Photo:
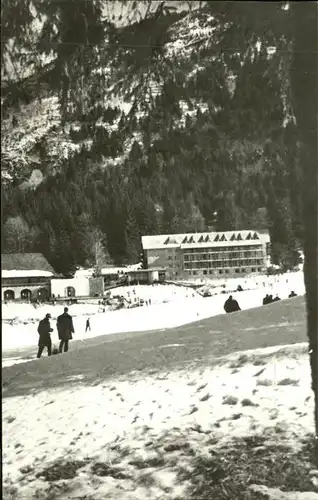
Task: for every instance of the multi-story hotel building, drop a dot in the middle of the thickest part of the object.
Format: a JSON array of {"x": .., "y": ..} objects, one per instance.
[{"x": 217, "y": 254}]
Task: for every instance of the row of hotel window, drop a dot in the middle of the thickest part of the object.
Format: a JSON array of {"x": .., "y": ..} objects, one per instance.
[
  {"x": 221, "y": 249},
  {"x": 226, "y": 271},
  {"x": 224, "y": 263},
  {"x": 223, "y": 255}
]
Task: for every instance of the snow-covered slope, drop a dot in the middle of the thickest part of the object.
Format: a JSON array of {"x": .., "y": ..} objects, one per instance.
[
  {"x": 131, "y": 437},
  {"x": 164, "y": 307}
]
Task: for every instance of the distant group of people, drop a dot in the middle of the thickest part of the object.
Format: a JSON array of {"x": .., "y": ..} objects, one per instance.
[
  {"x": 65, "y": 331},
  {"x": 231, "y": 305},
  {"x": 268, "y": 299}
]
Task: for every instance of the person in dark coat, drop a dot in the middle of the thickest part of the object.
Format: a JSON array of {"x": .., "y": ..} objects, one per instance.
[
  {"x": 231, "y": 305},
  {"x": 292, "y": 294},
  {"x": 267, "y": 300},
  {"x": 44, "y": 331},
  {"x": 276, "y": 299},
  {"x": 88, "y": 325},
  {"x": 65, "y": 329}
]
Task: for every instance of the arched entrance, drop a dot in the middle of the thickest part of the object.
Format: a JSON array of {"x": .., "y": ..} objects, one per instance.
[
  {"x": 26, "y": 294},
  {"x": 43, "y": 294},
  {"x": 70, "y": 291},
  {"x": 9, "y": 295}
]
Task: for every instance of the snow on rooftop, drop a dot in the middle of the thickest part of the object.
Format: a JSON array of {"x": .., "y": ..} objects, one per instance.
[
  {"x": 230, "y": 238},
  {"x": 80, "y": 273},
  {"x": 113, "y": 270},
  {"x": 17, "y": 273}
]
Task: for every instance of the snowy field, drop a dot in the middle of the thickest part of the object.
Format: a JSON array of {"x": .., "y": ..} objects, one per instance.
[
  {"x": 161, "y": 435},
  {"x": 281, "y": 284},
  {"x": 170, "y": 306},
  {"x": 235, "y": 427}
]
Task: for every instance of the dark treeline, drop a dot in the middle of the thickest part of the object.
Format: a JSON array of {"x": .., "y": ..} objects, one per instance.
[{"x": 177, "y": 187}]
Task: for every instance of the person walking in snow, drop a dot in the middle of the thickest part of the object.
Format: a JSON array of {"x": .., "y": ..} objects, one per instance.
[
  {"x": 65, "y": 329},
  {"x": 231, "y": 305},
  {"x": 88, "y": 325},
  {"x": 44, "y": 331}
]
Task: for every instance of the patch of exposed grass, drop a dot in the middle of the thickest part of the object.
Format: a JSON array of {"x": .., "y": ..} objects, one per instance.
[
  {"x": 26, "y": 470},
  {"x": 10, "y": 419},
  {"x": 248, "y": 402},
  {"x": 205, "y": 397},
  {"x": 150, "y": 462},
  {"x": 10, "y": 492},
  {"x": 176, "y": 446},
  {"x": 192, "y": 383},
  {"x": 103, "y": 469},
  {"x": 230, "y": 400},
  {"x": 259, "y": 372},
  {"x": 264, "y": 382},
  {"x": 231, "y": 469},
  {"x": 239, "y": 362},
  {"x": 146, "y": 479},
  {"x": 197, "y": 428},
  {"x": 54, "y": 492},
  {"x": 203, "y": 386},
  {"x": 236, "y": 416},
  {"x": 259, "y": 362},
  {"x": 288, "y": 381},
  {"x": 193, "y": 410},
  {"x": 61, "y": 470}
]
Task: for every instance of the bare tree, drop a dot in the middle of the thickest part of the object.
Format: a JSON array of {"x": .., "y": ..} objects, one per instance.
[
  {"x": 16, "y": 235},
  {"x": 99, "y": 250}
]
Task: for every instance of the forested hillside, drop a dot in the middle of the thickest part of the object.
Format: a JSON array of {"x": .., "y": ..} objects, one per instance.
[{"x": 170, "y": 121}]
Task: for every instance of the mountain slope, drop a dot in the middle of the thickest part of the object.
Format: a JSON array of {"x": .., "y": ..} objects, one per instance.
[{"x": 148, "y": 124}]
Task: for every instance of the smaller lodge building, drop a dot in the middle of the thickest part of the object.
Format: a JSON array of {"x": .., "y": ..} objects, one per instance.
[
  {"x": 124, "y": 276},
  {"x": 25, "y": 276},
  {"x": 28, "y": 277}
]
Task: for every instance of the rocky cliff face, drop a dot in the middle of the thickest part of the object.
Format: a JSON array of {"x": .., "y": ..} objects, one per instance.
[{"x": 132, "y": 98}]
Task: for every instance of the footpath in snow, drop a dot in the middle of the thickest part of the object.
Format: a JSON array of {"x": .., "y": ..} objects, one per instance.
[{"x": 237, "y": 429}]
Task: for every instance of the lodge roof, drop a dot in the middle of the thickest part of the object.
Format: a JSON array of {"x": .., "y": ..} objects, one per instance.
[{"x": 25, "y": 262}]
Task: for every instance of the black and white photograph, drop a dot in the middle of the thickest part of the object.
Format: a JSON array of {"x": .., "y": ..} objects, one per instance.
[{"x": 159, "y": 250}]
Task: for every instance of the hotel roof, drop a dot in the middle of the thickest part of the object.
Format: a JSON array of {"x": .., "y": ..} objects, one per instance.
[{"x": 214, "y": 239}]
